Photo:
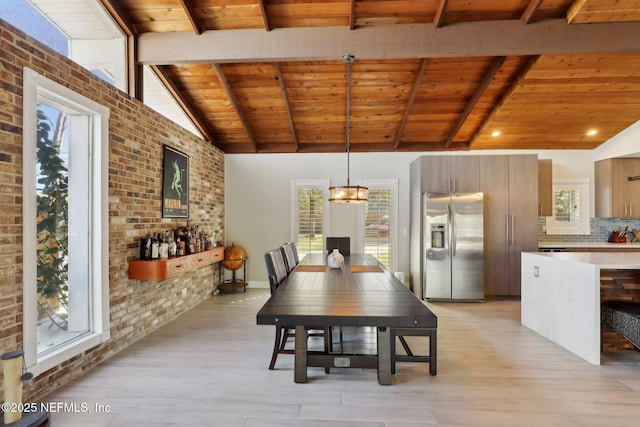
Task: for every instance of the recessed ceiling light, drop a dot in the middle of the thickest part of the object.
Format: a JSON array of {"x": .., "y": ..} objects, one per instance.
[
  {"x": 495, "y": 133},
  {"x": 592, "y": 132}
]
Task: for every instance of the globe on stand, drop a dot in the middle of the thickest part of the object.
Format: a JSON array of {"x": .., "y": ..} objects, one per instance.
[{"x": 235, "y": 258}]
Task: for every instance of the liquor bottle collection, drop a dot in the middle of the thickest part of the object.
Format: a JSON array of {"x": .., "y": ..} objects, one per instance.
[{"x": 184, "y": 240}]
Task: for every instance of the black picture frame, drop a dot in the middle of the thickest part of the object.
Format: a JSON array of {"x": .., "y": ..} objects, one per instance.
[{"x": 175, "y": 183}]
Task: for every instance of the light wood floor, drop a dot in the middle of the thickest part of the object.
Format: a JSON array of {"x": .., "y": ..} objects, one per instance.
[{"x": 209, "y": 368}]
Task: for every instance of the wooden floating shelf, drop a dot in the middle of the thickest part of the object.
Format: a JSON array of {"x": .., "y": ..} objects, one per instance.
[{"x": 161, "y": 269}]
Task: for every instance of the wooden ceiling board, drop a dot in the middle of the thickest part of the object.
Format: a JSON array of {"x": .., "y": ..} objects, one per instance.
[
  {"x": 227, "y": 15},
  {"x": 312, "y": 13},
  {"x": 386, "y": 12},
  {"x": 209, "y": 101},
  {"x": 486, "y": 10},
  {"x": 551, "y": 9},
  {"x": 569, "y": 110},
  {"x": 291, "y": 102},
  {"x": 590, "y": 11}
]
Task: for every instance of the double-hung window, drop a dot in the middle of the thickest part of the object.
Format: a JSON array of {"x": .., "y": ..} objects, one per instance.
[
  {"x": 378, "y": 222},
  {"x": 310, "y": 215},
  {"x": 65, "y": 223}
]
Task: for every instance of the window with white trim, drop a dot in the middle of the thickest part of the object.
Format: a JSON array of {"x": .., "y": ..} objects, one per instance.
[
  {"x": 310, "y": 215},
  {"x": 65, "y": 223},
  {"x": 379, "y": 222},
  {"x": 570, "y": 207}
]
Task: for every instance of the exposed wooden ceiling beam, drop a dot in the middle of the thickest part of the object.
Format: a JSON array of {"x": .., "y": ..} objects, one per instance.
[
  {"x": 409, "y": 106},
  {"x": 265, "y": 18},
  {"x": 530, "y": 11},
  {"x": 236, "y": 105},
  {"x": 495, "y": 66},
  {"x": 287, "y": 107},
  {"x": 135, "y": 80},
  {"x": 188, "y": 9},
  {"x": 467, "y": 39},
  {"x": 437, "y": 20},
  {"x": 117, "y": 13},
  {"x": 505, "y": 97},
  {"x": 177, "y": 95},
  {"x": 574, "y": 9}
]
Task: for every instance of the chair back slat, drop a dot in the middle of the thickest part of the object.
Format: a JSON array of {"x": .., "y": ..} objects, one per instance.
[{"x": 290, "y": 257}]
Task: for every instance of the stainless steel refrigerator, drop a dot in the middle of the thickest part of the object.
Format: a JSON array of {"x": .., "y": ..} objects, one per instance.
[{"x": 453, "y": 264}]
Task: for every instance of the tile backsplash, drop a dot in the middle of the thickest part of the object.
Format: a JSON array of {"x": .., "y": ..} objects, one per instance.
[{"x": 601, "y": 228}]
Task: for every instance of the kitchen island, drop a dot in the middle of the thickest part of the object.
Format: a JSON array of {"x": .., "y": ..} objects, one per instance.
[{"x": 561, "y": 296}]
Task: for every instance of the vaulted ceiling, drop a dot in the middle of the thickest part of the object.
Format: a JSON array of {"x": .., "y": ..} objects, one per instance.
[{"x": 429, "y": 75}]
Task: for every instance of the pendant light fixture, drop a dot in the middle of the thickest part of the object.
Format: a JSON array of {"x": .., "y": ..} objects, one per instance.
[{"x": 348, "y": 193}]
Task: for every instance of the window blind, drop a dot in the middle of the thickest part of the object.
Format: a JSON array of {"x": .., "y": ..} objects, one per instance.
[
  {"x": 310, "y": 219},
  {"x": 377, "y": 224}
]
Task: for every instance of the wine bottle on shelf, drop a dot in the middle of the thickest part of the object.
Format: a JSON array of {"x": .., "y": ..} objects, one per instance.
[
  {"x": 145, "y": 247},
  {"x": 155, "y": 247},
  {"x": 172, "y": 245}
]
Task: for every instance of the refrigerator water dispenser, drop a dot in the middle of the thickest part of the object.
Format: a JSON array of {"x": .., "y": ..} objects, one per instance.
[{"x": 437, "y": 236}]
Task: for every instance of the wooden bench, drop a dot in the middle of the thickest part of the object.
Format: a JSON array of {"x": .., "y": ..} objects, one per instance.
[
  {"x": 431, "y": 359},
  {"x": 624, "y": 318}
]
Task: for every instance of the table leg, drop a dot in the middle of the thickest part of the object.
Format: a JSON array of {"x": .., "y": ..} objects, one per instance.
[
  {"x": 384, "y": 356},
  {"x": 433, "y": 352},
  {"x": 300, "y": 369}
]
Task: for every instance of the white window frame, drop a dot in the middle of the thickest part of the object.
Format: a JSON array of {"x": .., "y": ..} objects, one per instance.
[
  {"x": 583, "y": 226},
  {"x": 391, "y": 184},
  {"x": 320, "y": 184},
  {"x": 98, "y": 258}
]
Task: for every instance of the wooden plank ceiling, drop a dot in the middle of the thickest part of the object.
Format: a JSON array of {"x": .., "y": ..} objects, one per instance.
[{"x": 520, "y": 84}]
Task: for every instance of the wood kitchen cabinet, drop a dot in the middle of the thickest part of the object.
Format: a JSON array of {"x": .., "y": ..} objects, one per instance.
[
  {"x": 510, "y": 192},
  {"x": 616, "y": 196},
  {"x": 510, "y": 187},
  {"x": 545, "y": 188},
  {"x": 445, "y": 174}
]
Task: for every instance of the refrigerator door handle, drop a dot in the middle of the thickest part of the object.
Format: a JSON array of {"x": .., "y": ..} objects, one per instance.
[
  {"x": 454, "y": 232},
  {"x": 449, "y": 231}
]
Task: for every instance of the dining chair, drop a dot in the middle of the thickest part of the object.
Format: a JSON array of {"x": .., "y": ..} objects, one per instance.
[
  {"x": 343, "y": 244},
  {"x": 276, "y": 268},
  {"x": 277, "y": 272},
  {"x": 290, "y": 255}
]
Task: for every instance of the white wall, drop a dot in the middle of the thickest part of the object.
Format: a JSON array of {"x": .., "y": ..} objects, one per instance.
[
  {"x": 258, "y": 187},
  {"x": 258, "y": 198},
  {"x": 624, "y": 144}
]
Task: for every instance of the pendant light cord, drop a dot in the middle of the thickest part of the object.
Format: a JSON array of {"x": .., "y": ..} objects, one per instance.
[{"x": 348, "y": 59}]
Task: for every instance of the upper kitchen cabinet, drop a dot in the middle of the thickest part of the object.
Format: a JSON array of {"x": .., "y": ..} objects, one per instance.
[
  {"x": 617, "y": 195},
  {"x": 545, "y": 188},
  {"x": 450, "y": 174},
  {"x": 510, "y": 218}
]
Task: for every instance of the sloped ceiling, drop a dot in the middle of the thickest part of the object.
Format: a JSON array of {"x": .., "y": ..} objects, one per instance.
[{"x": 429, "y": 75}]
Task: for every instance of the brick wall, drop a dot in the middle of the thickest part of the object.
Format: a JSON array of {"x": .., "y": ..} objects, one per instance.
[{"x": 137, "y": 135}]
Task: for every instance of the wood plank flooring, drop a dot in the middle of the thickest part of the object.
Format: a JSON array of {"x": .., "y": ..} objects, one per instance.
[{"x": 209, "y": 368}]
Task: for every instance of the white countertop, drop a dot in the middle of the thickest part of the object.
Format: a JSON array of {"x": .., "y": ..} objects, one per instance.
[
  {"x": 622, "y": 260},
  {"x": 545, "y": 245}
]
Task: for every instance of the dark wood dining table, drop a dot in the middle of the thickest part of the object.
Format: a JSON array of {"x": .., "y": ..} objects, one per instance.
[{"x": 362, "y": 293}]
